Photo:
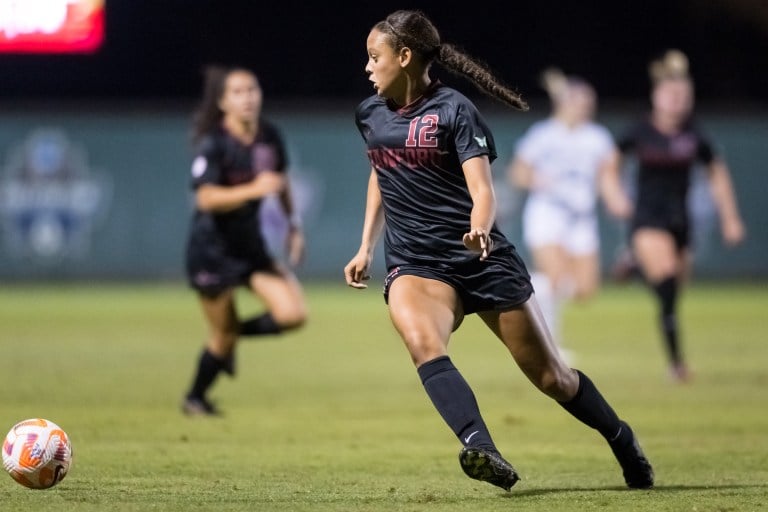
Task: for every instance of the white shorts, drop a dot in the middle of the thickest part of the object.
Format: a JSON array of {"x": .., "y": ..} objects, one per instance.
[{"x": 546, "y": 223}]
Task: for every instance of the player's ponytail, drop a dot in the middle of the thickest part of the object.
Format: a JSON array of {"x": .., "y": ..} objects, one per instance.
[
  {"x": 555, "y": 83},
  {"x": 458, "y": 62},
  {"x": 414, "y": 30}
]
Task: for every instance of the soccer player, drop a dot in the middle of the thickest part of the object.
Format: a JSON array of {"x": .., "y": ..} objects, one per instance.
[
  {"x": 559, "y": 162},
  {"x": 240, "y": 159},
  {"x": 430, "y": 184},
  {"x": 667, "y": 144}
]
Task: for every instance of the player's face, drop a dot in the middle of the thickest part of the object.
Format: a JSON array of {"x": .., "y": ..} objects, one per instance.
[
  {"x": 242, "y": 96},
  {"x": 673, "y": 97},
  {"x": 580, "y": 103},
  {"x": 384, "y": 67}
]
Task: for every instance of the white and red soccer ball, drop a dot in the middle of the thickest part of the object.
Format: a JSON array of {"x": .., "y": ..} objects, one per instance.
[{"x": 37, "y": 453}]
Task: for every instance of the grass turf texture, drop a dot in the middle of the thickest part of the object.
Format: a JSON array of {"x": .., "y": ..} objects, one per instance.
[{"x": 334, "y": 418}]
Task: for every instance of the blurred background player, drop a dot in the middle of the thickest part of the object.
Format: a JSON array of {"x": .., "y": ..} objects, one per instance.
[
  {"x": 240, "y": 159},
  {"x": 430, "y": 184},
  {"x": 559, "y": 162},
  {"x": 667, "y": 145}
]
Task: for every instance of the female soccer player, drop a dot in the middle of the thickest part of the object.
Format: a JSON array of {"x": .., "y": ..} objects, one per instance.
[
  {"x": 240, "y": 160},
  {"x": 667, "y": 144},
  {"x": 559, "y": 161},
  {"x": 430, "y": 184}
]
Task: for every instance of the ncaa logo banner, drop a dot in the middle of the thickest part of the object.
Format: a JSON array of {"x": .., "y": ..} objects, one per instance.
[{"x": 50, "y": 199}]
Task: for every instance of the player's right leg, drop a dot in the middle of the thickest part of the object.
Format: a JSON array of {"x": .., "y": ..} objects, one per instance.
[
  {"x": 425, "y": 312},
  {"x": 220, "y": 314}
]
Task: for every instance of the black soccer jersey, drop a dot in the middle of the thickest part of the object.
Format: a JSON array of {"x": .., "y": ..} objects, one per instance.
[
  {"x": 665, "y": 163},
  {"x": 223, "y": 160},
  {"x": 417, "y": 152}
]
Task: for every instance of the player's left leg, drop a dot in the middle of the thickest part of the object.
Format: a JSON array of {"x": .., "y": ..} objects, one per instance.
[
  {"x": 523, "y": 332},
  {"x": 660, "y": 259}
]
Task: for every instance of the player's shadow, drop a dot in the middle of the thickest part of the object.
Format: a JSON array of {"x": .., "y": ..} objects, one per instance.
[{"x": 664, "y": 489}]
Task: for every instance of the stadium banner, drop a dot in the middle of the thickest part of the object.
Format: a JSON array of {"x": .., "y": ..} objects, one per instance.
[{"x": 51, "y": 26}]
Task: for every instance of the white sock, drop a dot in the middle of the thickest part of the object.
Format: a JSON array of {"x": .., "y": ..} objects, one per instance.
[{"x": 548, "y": 303}]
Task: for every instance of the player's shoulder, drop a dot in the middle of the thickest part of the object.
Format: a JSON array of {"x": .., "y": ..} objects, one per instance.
[
  {"x": 543, "y": 126},
  {"x": 597, "y": 131},
  {"x": 542, "y": 129},
  {"x": 211, "y": 142},
  {"x": 695, "y": 125},
  {"x": 368, "y": 105},
  {"x": 452, "y": 98},
  {"x": 269, "y": 130}
]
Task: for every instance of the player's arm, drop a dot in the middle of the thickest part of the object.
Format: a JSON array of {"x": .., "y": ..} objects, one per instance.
[
  {"x": 477, "y": 172},
  {"x": 210, "y": 197},
  {"x": 295, "y": 244},
  {"x": 520, "y": 174},
  {"x": 609, "y": 182},
  {"x": 357, "y": 270},
  {"x": 724, "y": 197}
]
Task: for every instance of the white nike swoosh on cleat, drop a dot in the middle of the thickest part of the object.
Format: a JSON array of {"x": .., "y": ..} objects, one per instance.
[{"x": 466, "y": 439}]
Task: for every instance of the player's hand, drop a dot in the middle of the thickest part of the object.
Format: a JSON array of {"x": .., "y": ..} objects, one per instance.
[
  {"x": 356, "y": 271},
  {"x": 268, "y": 183},
  {"x": 733, "y": 231},
  {"x": 619, "y": 206},
  {"x": 295, "y": 246},
  {"x": 478, "y": 240}
]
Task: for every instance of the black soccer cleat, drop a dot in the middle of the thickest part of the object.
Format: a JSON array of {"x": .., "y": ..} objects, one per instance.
[
  {"x": 638, "y": 473},
  {"x": 488, "y": 466},
  {"x": 193, "y": 406}
]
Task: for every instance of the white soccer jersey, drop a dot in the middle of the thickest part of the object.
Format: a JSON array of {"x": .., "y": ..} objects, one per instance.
[{"x": 565, "y": 162}]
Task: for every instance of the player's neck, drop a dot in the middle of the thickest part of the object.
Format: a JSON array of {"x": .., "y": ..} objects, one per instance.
[
  {"x": 414, "y": 90},
  {"x": 244, "y": 131},
  {"x": 667, "y": 123}
]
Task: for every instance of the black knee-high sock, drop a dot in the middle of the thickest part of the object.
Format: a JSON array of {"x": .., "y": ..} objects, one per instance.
[
  {"x": 589, "y": 407},
  {"x": 260, "y": 325},
  {"x": 208, "y": 367},
  {"x": 666, "y": 292},
  {"x": 455, "y": 402}
]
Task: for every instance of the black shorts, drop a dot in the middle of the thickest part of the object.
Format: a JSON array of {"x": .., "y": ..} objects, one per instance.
[
  {"x": 679, "y": 230},
  {"x": 211, "y": 269},
  {"x": 499, "y": 283}
]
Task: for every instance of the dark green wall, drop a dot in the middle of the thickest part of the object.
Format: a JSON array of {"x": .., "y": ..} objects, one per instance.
[{"x": 141, "y": 157}]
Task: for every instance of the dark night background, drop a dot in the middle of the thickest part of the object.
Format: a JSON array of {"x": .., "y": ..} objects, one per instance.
[{"x": 156, "y": 49}]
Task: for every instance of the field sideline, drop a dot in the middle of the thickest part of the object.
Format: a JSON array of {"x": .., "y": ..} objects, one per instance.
[{"x": 334, "y": 418}]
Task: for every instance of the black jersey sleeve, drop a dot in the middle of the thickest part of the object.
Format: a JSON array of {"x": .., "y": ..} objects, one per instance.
[
  {"x": 362, "y": 111},
  {"x": 206, "y": 166},
  {"x": 627, "y": 140},
  {"x": 273, "y": 137},
  {"x": 471, "y": 134},
  {"x": 705, "y": 152}
]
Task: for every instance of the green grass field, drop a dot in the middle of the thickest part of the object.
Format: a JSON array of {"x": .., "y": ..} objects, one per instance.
[{"x": 335, "y": 418}]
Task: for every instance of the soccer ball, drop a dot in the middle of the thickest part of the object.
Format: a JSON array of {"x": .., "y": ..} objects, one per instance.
[{"x": 37, "y": 453}]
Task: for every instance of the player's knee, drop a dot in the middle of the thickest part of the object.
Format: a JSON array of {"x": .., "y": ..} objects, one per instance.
[
  {"x": 222, "y": 341},
  {"x": 422, "y": 347},
  {"x": 585, "y": 292},
  {"x": 291, "y": 318},
  {"x": 557, "y": 383}
]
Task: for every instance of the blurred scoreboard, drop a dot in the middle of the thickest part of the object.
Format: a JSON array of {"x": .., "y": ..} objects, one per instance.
[{"x": 51, "y": 26}]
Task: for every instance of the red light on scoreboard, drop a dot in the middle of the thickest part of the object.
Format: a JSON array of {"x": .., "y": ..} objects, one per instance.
[{"x": 51, "y": 26}]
